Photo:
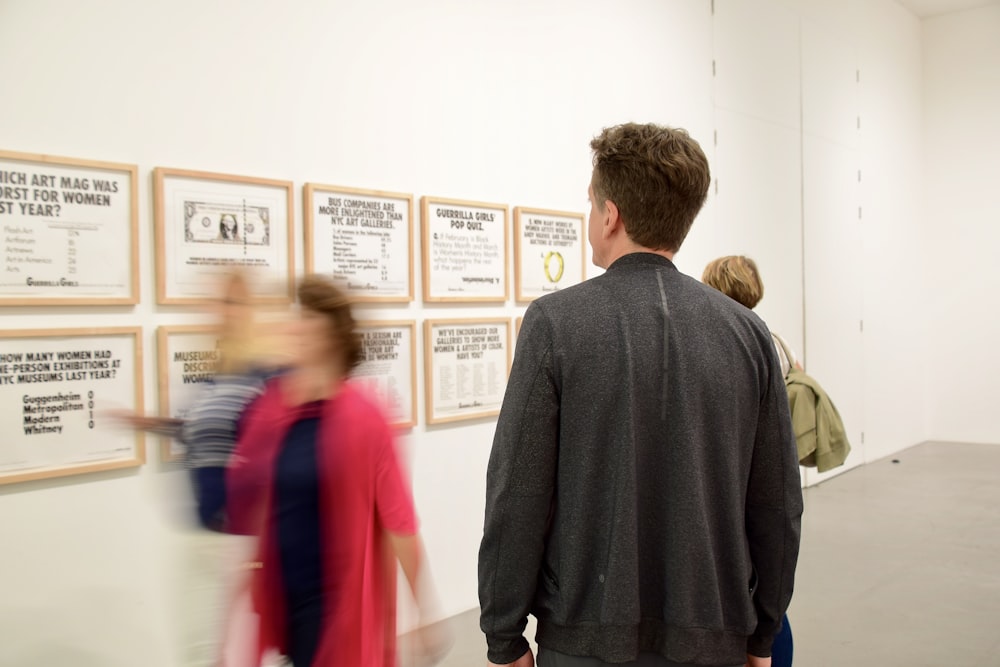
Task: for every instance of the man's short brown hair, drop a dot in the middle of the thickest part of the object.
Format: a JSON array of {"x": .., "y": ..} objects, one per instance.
[
  {"x": 658, "y": 177},
  {"x": 321, "y": 295},
  {"x": 737, "y": 277}
]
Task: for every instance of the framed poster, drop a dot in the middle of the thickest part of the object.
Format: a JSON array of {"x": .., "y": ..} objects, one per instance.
[
  {"x": 186, "y": 358},
  {"x": 58, "y": 386},
  {"x": 363, "y": 239},
  {"x": 466, "y": 366},
  {"x": 70, "y": 231},
  {"x": 464, "y": 250},
  {"x": 389, "y": 367},
  {"x": 550, "y": 252},
  {"x": 207, "y": 223}
]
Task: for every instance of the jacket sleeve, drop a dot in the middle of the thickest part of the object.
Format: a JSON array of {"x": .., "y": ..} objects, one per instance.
[
  {"x": 519, "y": 487},
  {"x": 773, "y": 509},
  {"x": 802, "y": 404}
]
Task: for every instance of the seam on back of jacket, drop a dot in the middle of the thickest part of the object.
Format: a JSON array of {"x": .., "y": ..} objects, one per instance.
[{"x": 666, "y": 344}]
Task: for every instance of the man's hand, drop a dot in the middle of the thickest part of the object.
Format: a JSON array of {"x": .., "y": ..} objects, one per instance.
[
  {"x": 528, "y": 660},
  {"x": 754, "y": 661}
]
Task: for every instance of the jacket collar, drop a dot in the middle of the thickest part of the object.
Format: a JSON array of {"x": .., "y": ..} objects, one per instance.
[{"x": 636, "y": 259}]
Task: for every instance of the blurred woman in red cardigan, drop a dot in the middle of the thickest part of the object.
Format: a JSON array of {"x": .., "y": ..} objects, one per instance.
[{"x": 316, "y": 475}]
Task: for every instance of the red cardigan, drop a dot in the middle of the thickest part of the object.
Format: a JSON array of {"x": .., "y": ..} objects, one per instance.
[{"x": 363, "y": 495}]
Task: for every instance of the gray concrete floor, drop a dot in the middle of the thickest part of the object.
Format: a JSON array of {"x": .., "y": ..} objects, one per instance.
[{"x": 899, "y": 566}]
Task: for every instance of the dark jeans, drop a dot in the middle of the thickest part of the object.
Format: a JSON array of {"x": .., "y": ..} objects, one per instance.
[
  {"x": 781, "y": 651},
  {"x": 552, "y": 659}
]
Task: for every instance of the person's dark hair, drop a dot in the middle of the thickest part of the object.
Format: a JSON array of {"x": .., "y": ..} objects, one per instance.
[
  {"x": 658, "y": 177},
  {"x": 321, "y": 295}
]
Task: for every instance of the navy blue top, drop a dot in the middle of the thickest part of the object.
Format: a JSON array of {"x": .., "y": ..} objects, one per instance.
[{"x": 296, "y": 509}]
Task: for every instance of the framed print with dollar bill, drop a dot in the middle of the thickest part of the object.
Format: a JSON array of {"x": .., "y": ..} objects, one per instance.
[
  {"x": 60, "y": 388},
  {"x": 363, "y": 239},
  {"x": 466, "y": 364},
  {"x": 464, "y": 250},
  {"x": 70, "y": 231},
  {"x": 549, "y": 251},
  {"x": 208, "y": 223}
]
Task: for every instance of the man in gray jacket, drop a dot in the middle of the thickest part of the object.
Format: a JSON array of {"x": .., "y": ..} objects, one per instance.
[{"x": 643, "y": 498}]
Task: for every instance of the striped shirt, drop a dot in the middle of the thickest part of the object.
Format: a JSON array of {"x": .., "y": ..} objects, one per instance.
[{"x": 210, "y": 424}]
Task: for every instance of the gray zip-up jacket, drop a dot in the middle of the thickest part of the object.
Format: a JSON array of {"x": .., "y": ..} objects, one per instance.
[{"x": 643, "y": 490}]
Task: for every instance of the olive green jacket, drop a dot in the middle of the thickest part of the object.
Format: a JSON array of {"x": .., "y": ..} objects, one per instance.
[{"x": 819, "y": 431}]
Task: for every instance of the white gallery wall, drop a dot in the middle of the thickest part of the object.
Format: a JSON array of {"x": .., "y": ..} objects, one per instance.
[
  {"x": 475, "y": 100},
  {"x": 818, "y": 121},
  {"x": 892, "y": 216},
  {"x": 962, "y": 170}
]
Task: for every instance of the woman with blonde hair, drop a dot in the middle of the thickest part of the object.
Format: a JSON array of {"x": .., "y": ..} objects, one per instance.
[
  {"x": 737, "y": 277},
  {"x": 206, "y": 430},
  {"x": 207, "y": 426}
]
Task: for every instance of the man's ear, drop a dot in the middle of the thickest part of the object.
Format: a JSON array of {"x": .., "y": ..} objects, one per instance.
[{"x": 613, "y": 219}]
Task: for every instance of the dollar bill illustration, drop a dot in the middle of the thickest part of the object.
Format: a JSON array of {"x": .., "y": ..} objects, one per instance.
[{"x": 227, "y": 223}]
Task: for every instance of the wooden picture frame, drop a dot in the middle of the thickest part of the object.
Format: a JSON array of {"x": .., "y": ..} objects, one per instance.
[
  {"x": 60, "y": 385},
  {"x": 381, "y": 367},
  {"x": 170, "y": 398},
  {"x": 207, "y": 222},
  {"x": 71, "y": 231},
  {"x": 357, "y": 220},
  {"x": 465, "y": 251},
  {"x": 450, "y": 348},
  {"x": 546, "y": 253}
]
